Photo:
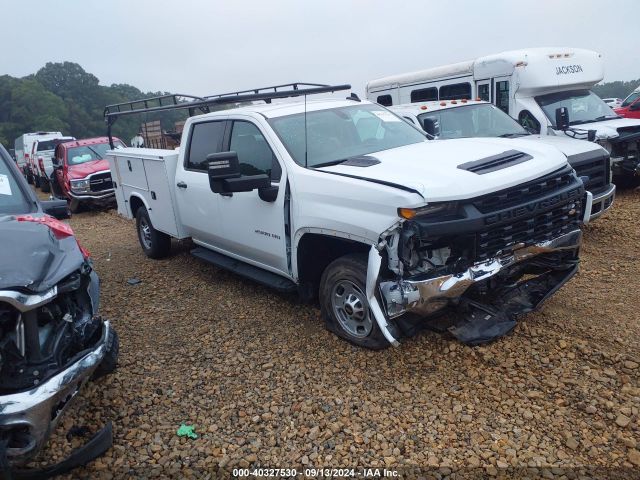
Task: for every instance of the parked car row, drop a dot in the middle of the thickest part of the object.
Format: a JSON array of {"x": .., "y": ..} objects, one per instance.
[{"x": 69, "y": 169}]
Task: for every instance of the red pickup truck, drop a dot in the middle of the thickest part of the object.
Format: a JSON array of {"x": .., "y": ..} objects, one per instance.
[
  {"x": 80, "y": 173},
  {"x": 630, "y": 107}
]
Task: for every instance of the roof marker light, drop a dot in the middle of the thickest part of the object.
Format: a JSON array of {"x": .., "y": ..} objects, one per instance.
[
  {"x": 478, "y": 99},
  {"x": 443, "y": 104},
  {"x": 423, "y": 107},
  {"x": 464, "y": 100},
  {"x": 454, "y": 102}
]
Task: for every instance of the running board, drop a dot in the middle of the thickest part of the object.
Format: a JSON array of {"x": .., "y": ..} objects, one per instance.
[{"x": 243, "y": 269}]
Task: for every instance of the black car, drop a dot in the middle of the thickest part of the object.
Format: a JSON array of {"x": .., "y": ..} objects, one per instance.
[{"x": 51, "y": 338}]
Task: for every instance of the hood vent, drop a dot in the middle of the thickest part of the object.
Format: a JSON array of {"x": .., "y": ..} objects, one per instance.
[
  {"x": 361, "y": 161},
  {"x": 495, "y": 162}
]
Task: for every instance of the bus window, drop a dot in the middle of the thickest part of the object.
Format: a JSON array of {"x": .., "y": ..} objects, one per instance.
[
  {"x": 456, "y": 91},
  {"x": 385, "y": 100},
  {"x": 424, "y": 94},
  {"x": 483, "y": 92}
]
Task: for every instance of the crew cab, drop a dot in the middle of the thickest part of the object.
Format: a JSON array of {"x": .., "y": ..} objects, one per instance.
[
  {"x": 630, "y": 107},
  {"x": 52, "y": 340},
  {"x": 449, "y": 119},
  {"x": 341, "y": 200},
  {"x": 81, "y": 173}
]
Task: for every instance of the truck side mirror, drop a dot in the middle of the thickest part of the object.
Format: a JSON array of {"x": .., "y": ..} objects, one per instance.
[
  {"x": 56, "y": 208},
  {"x": 225, "y": 176},
  {"x": 562, "y": 118},
  {"x": 431, "y": 125}
]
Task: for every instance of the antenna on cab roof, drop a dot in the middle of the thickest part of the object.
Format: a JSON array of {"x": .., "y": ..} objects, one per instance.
[{"x": 203, "y": 104}]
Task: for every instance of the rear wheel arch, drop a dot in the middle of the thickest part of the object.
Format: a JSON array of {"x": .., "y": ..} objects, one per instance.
[{"x": 135, "y": 202}]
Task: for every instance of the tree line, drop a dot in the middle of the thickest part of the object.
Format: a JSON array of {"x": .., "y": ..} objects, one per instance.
[{"x": 64, "y": 97}]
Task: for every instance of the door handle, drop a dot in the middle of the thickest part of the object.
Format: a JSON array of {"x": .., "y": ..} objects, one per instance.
[{"x": 181, "y": 185}]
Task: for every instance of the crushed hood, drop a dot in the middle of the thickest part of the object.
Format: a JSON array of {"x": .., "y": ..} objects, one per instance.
[
  {"x": 77, "y": 172},
  {"x": 431, "y": 168},
  {"x": 34, "y": 256}
]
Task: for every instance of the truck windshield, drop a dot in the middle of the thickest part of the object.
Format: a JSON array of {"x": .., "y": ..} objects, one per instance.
[
  {"x": 337, "y": 134},
  {"x": 480, "y": 120},
  {"x": 89, "y": 153},
  {"x": 630, "y": 99},
  {"x": 584, "y": 106},
  {"x": 12, "y": 198}
]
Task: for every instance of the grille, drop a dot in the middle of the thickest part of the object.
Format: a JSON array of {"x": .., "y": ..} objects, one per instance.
[
  {"x": 538, "y": 228},
  {"x": 598, "y": 172},
  {"x": 101, "y": 181},
  {"x": 525, "y": 192}
]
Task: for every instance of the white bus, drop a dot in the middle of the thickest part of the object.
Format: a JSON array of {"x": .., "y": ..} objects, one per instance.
[{"x": 546, "y": 89}]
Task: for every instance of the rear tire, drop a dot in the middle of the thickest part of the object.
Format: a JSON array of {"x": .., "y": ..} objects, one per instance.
[
  {"x": 344, "y": 305},
  {"x": 45, "y": 186},
  {"x": 154, "y": 243},
  {"x": 109, "y": 362}
]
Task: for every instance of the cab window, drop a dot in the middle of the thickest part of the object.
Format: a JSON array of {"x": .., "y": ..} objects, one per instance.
[
  {"x": 206, "y": 138},
  {"x": 254, "y": 153}
]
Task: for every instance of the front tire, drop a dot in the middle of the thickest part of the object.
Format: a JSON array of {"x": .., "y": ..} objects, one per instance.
[
  {"x": 75, "y": 205},
  {"x": 344, "y": 304},
  {"x": 154, "y": 243}
]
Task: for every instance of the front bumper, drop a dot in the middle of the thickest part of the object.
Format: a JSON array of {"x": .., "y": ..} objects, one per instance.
[
  {"x": 426, "y": 296},
  {"x": 98, "y": 196},
  {"x": 602, "y": 201},
  {"x": 34, "y": 413}
]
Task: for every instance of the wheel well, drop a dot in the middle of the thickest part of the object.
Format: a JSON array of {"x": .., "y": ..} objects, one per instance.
[
  {"x": 135, "y": 203},
  {"x": 315, "y": 252}
]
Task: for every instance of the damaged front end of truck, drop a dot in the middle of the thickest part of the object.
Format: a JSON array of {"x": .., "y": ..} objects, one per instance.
[
  {"x": 490, "y": 259},
  {"x": 51, "y": 339}
]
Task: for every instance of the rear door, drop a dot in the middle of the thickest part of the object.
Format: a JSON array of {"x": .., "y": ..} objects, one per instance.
[
  {"x": 254, "y": 226},
  {"x": 198, "y": 206}
]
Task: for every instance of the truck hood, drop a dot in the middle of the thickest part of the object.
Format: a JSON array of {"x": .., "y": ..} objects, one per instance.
[
  {"x": 34, "y": 256},
  {"x": 84, "y": 169},
  {"x": 609, "y": 129},
  {"x": 567, "y": 145},
  {"x": 431, "y": 168}
]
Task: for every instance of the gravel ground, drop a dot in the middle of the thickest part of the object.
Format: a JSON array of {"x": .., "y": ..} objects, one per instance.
[{"x": 266, "y": 385}]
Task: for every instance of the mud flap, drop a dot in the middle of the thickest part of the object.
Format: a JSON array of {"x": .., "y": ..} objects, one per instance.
[
  {"x": 477, "y": 322},
  {"x": 98, "y": 445}
]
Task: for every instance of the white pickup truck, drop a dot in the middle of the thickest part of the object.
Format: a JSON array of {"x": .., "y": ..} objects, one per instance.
[
  {"x": 343, "y": 200},
  {"x": 453, "y": 119}
]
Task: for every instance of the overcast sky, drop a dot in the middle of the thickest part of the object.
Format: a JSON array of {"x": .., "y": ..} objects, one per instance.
[{"x": 203, "y": 47}]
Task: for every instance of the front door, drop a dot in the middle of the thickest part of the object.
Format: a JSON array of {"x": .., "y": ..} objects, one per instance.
[
  {"x": 483, "y": 89},
  {"x": 198, "y": 206},
  {"x": 255, "y": 227},
  {"x": 502, "y": 93}
]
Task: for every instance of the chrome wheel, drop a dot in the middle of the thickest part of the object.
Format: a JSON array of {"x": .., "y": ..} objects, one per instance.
[
  {"x": 351, "y": 309},
  {"x": 145, "y": 233}
]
